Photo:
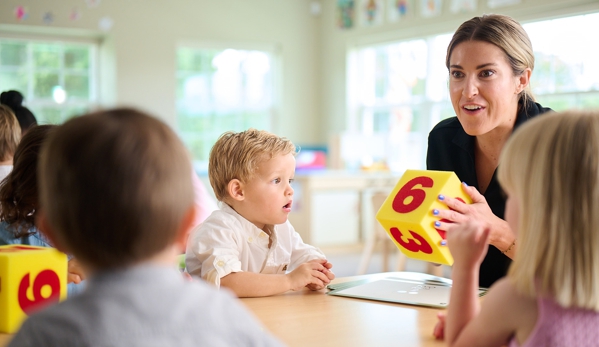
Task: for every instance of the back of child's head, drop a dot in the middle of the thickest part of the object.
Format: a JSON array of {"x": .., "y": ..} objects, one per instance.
[
  {"x": 19, "y": 190},
  {"x": 115, "y": 187},
  {"x": 10, "y": 133},
  {"x": 550, "y": 166},
  {"x": 237, "y": 156},
  {"x": 14, "y": 100}
]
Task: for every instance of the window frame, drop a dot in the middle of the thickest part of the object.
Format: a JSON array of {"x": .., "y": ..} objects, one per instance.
[
  {"x": 356, "y": 110},
  {"x": 31, "y": 35},
  {"x": 274, "y": 53}
]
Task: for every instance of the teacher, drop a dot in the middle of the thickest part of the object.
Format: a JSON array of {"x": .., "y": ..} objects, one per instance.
[{"x": 490, "y": 62}]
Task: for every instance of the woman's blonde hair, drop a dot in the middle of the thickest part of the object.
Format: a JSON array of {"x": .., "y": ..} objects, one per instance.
[
  {"x": 10, "y": 133},
  {"x": 551, "y": 167},
  {"x": 503, "y": 32},
  {"x": 237, "y": 155}
]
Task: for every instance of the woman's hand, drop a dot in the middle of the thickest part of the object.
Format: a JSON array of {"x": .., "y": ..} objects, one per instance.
[{"x": 500, "y": 236}]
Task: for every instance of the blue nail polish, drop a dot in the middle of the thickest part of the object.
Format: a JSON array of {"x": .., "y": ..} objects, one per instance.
[
  {"x": 441, "y": 197},
  {"x": 443, "y": 242},
  {"x": 435, "y": 212},
  {"x": 437, "y": 224},
  {"x": 464, "y": 183}
]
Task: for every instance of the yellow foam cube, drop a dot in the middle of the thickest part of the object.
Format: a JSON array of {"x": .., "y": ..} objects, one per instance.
[
  {"x": 407, "y": 215},
  {"x": 30, "y": 278}
]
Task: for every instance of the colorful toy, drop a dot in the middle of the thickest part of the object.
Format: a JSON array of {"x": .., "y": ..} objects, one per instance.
[
  {"x": 30, "y": 278},
  {"x": 407, "y": 216}
]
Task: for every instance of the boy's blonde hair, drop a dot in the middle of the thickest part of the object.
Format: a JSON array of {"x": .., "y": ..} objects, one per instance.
[
  {"x": 115, "y": 186},
  {"x": 10, "y": 133},
  {"x": 237, "y": 155},
  {"x": 551, "y": 166}
]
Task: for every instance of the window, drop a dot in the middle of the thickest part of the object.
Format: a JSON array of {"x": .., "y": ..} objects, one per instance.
[
  {"x": 221, "y": 90},
  {"x": 398, "y": 91},
  {"x": 56, "y": 78},
  {"x": 566, "y": 73}
]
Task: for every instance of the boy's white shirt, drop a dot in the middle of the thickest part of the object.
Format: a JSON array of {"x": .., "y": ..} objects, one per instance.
[{"x": 226, "y": 242}]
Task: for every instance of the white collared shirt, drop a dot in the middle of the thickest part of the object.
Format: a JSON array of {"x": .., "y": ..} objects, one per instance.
[{"x": 226, "y": 242}]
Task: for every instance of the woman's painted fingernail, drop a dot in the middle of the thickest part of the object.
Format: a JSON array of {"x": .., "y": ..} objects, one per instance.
[
  {"x": 435, "y": 212},
  {"x": 443, "y": 242},
  {"x": 464, "y": 183},
  {"x": 437, "y": 223},
  {"x": 441, "y": 197}
]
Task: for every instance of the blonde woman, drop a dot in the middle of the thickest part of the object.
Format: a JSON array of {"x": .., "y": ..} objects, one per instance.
[{"x": 490, "y": 62}]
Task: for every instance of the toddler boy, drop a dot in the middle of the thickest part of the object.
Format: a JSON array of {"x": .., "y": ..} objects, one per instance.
[{"x": 249, "y": 245}]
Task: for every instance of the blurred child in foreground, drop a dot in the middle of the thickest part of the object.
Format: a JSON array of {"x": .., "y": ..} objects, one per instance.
[{"x": 117, "y": 194}]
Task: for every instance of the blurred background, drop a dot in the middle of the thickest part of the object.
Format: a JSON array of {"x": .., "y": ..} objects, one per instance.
[{"x": 356, "y": 84}]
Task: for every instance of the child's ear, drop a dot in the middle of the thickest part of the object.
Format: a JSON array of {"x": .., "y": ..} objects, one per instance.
[
  {"x": 235, "y": 190},
  {"x": 187, "y": 225},
  {"x": 41, "y": 222}
]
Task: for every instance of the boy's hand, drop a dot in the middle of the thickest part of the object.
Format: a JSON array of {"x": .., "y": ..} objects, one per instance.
[
  {"x": 187, "y": 276},
  {"x": 310, "y": 274},
  {"x": 330, "y": 275},
  {"x": 75, "y": 272},
  {"x": 439, "y": 330}
]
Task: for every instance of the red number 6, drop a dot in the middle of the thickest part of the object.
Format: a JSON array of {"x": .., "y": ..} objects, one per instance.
[
  {"x": 418, "y": 195},
  {"x": 46, "y": 277}
]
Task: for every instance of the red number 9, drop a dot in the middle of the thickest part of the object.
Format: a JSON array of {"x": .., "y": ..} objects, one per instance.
[
  {"x": 418, "y": 195},
  {"x": 46, "y": 277}
]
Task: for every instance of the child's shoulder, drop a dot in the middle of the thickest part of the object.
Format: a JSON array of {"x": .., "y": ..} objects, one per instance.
[
  {"x": 223, "y": 215},
  {"x": 221, "y": 220}
]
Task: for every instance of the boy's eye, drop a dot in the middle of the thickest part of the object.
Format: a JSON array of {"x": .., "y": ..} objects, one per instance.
[
  {"x": 291, "y": 180},
  {"x": 277, "y": 180}
]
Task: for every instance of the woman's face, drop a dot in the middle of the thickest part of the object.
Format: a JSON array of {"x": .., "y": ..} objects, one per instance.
[{"x": 483, "y": 88}]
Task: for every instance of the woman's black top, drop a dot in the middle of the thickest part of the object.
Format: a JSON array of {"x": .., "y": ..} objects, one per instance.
[{"x": 451, "y": 149}]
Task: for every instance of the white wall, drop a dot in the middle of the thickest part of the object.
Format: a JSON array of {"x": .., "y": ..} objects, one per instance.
[{"x": 138, "y": 53}]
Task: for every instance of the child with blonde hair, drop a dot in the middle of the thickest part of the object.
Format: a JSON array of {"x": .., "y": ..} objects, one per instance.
[
  {"x": 115, "y": 191},
  {"x": 550, "y": 297},
  {"x": 248, "y": 245},
  {"x": 10, "y": 135}
]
